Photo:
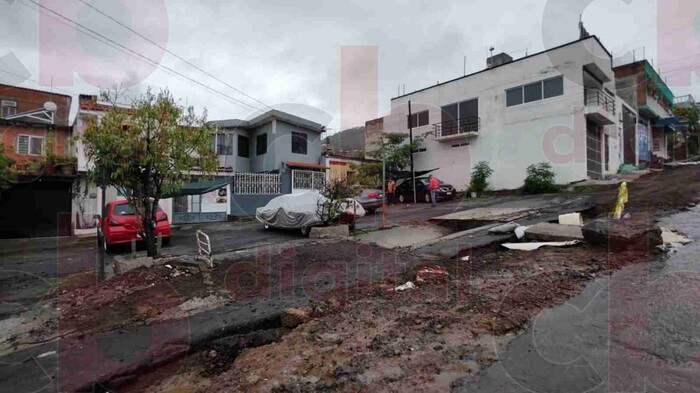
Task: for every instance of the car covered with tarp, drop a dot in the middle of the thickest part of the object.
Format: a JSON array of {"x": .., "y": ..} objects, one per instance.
[{"x": 301, "y": 211}]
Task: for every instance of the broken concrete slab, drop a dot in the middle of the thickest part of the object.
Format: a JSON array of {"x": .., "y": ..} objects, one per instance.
[
  {"x": 124, "y": 264},
  {"x": 336, "y": 232},
  {"x": 487, "y": 215},
  {"x": 405, "y": 236},
  {"x": 633, "y": 233},
  {"x": 548, "y": 232}
]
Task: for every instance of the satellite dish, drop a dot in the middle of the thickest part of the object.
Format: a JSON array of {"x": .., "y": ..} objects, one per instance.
[{"x": 50, "y": 106}]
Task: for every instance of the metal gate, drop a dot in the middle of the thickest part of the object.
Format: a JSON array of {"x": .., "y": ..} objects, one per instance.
[{"x": 307, "y": 180}]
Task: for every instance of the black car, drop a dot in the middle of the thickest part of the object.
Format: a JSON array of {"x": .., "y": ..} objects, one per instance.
[{"x": 404, "y": 191}]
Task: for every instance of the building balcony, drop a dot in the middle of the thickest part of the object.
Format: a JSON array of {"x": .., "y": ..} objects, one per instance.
[
  {"x": 684, "y": 101},
  {"x": 462, "y": 129},
  {"x": 600, "y": 107}
]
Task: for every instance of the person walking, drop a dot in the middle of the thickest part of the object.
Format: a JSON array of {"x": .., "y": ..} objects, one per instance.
[
  {"x": 433, "y": 186},
  {"x": 391, "y": 192}
]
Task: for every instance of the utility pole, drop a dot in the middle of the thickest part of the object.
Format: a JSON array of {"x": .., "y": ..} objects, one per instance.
[
  {"x": 101, "y": 240},
  {"x": 410, "y": 140},
  {"x": 383, "y": 183}
]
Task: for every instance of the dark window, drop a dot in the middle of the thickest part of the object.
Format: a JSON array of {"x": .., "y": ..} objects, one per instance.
[
  {"x": 243, "y": 146},
  {"x": 533, "y": 92},
  {"x": 423, "y": 118},
  {"x": 224, "y": 144},
  {"x": 468, "y": 110},
  {"x": 553, "y": 87},
  {"x": 261, "y": 144},
  {"x": 9, "y": 108},
  {"x": 419, "y": 119},
  {"x": 299, "y": 143},
  {"x": 514, "y": 96}
]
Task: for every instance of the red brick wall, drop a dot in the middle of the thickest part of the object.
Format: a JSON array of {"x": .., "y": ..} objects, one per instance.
[
  {"x": 10, "y": 133},
  {"x": 29, "y": 100}
]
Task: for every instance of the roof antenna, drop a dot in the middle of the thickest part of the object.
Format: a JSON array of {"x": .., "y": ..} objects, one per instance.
[{"x": 491, "y": 49}]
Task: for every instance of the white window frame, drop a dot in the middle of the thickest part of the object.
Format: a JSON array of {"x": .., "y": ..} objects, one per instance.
[
  {"x": 30, "y": 138},
  {"x": 7, "y": 104}
]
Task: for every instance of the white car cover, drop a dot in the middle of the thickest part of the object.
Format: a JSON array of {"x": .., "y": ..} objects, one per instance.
[{"x": 299, "y": 210}]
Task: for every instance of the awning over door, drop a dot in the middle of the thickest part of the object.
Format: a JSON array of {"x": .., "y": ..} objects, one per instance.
[{"x": 199, "y": 187}]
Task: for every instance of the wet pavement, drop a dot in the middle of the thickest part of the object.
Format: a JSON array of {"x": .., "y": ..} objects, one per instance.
[{"x": 635, "y": 331}]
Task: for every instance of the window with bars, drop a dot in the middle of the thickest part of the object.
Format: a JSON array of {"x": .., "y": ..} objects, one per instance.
[{"x": 29, "y": 145}]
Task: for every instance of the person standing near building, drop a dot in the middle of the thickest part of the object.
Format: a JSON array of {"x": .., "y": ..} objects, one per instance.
[
  {"x": 433, "y": 186},
  {"x": 391, "y": 192}
]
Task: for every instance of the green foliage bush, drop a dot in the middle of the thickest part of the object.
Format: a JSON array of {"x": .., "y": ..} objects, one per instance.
[
  {"x": 479, "y": 180},
  {"x": 540, "y": 179}
]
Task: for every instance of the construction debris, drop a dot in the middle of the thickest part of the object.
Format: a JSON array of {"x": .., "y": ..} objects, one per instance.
[
  {"x": 637, "y": 232},
  {"x": 505, "y": 228},
  {"x": 672, "y": 240},
  {"x": 520, "y": 231},
  {"x": 408, "y": 285},
  {"x": 535, "y": 246},
  {"x": 547, "y": 232},
  {"x": 571, "y": 219}
]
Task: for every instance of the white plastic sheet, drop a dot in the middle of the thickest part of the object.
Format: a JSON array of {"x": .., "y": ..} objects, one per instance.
[{"x": 535, "y": 246}]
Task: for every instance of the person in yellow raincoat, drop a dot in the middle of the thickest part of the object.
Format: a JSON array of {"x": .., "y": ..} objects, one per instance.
[{"x": 622, "y": 198}]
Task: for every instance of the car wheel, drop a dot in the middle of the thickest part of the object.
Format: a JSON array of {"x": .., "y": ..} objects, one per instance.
[
  {"x": 402, "y": 199},
  {"x": 304, "y": 231},
  {"x": 426, "y": 198},
  {"x": 108, "y": 249}
]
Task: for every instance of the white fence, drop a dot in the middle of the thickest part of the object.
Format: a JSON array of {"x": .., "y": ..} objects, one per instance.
[
  {"x": 257, "y": 184},
  {"x": 307, "y": 180}
]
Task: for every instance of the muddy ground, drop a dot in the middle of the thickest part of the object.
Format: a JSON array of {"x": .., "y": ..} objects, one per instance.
[
  {"x": 362, "y": 331},
  {"x": 450, "y": 326}
]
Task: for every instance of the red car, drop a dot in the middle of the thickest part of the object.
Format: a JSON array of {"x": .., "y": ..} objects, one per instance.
[{"x": 123, "y": 227}]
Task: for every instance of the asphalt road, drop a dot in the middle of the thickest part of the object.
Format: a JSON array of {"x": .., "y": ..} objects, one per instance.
[
  {"x": 29, "y": 268},
  {"x": 635, "y": 331}
]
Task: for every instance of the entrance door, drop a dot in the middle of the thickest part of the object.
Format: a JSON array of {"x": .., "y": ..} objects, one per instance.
[{"x": 594, "y": 151}]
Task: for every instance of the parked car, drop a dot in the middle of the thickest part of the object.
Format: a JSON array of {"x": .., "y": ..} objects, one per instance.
[
  {"x": 300, "y": 211},
  {"x": 123, "y": 225},
  {"x": 404, "y": 191},
  {"x": 370, "y": 200}
]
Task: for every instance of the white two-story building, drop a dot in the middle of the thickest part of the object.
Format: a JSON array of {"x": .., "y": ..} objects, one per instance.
[{"x": 557, "y": 106}]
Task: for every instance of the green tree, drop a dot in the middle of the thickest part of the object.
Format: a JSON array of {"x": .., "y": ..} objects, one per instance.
[
  {"x": 368, "y": 175},
  {"x": 540, "y": 179},
  {"x": 6, "y": 174},
  {"x": 147, "y": 151},
  {"x": 394, "y": 147}
]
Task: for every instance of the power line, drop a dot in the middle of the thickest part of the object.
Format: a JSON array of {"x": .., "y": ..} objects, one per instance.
[
  {"x": 105, "y": 40},
  {"x": 173, "y": 54}
]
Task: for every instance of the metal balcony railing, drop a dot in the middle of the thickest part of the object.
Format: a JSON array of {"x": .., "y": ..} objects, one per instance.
[
  {"x": 597, "y": 97},
  {"x": 454, "y": 127},
  {"x": 684, "y": 100}
]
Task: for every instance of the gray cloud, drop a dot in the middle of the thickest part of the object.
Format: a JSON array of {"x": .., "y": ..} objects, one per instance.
[{"x": 283, "y": 52}]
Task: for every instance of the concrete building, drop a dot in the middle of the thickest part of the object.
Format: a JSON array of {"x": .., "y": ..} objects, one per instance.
[
  {"x": 272, "y": 154},
  {"x": 640, "y": 86},
  {"x": 558, "y": 106},
  {"x": 36, "y": 132}
]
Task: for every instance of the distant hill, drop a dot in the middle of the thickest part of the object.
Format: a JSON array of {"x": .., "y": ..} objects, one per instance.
[{"x": 350, "y": 140}]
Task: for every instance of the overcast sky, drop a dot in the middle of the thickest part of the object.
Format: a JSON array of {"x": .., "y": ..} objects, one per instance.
[{"x": 286, "y": 54}]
